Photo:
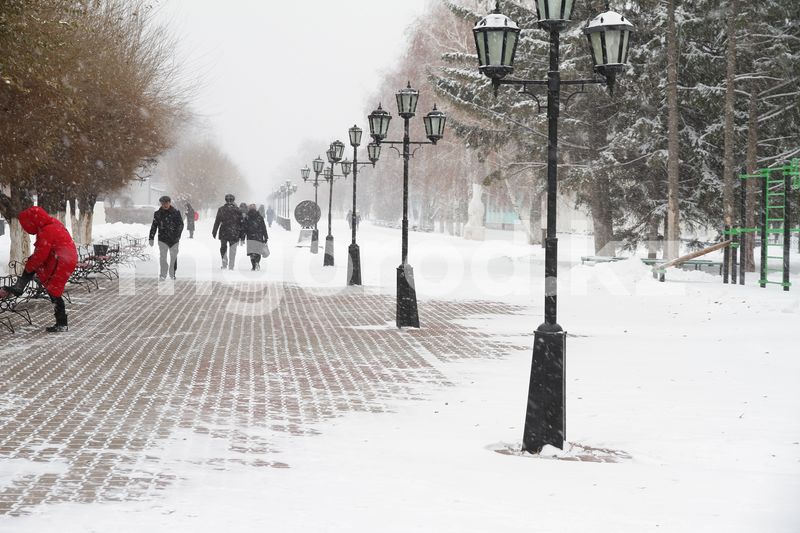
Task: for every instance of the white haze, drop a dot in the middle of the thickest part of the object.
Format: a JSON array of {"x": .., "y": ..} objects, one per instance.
[{"x": 274, "y": 74}]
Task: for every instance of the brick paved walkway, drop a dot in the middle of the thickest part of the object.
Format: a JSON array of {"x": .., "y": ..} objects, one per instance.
[{"x": 135, "y": 369}]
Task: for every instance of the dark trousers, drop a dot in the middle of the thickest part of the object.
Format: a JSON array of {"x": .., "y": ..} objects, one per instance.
[
  {"x": 228, "y": 259},
  {"x": 60, "y": 307},
  {"x": 60, "y": 310}
]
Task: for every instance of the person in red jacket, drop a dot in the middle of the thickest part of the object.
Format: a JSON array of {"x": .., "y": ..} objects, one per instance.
[{"x": 53, "y": 261}]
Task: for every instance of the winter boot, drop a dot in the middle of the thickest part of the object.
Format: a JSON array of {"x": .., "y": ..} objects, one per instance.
[{"x": 61, "y": 317}]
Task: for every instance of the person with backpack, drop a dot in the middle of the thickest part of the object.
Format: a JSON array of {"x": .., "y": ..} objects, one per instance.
[
  {"x": 229, "y": 224},
  {"x": 256, "y": 232},
  {"x": 191, "y": 218}
]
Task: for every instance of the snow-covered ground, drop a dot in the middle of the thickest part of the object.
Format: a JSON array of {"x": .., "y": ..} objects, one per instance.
[{"x": 694, "y": 380}]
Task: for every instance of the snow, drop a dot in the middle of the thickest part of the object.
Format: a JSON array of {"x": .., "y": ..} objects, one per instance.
[{"x": 689, "y": 386}]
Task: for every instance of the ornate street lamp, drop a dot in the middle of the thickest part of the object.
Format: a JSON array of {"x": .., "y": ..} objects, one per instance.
[
  {"x": 379, "y": 124},
  {"x": 305, "y": 173},
  {"x": 334, "y": 154},
  {"x": 496, "y": 39},
  {"x": 406, "y": 314},
  {"x": 374, "y": 153},
  {"x": 318, "y": 165},
  {"x": 609, "y": 38},
  {"x": 282, "y": 206},
  {"x": 289, "y": 189}
]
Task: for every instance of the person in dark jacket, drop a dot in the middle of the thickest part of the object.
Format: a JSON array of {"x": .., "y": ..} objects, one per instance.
[
  {"x": 190, "y": 220},
  {"x": 53, "y": 261},
  {"x": 256, "y": 232},
  {"x": 270, "y": 215},
  {"x": 229, "y": 224},
  {"x": 168, "y": 222}
]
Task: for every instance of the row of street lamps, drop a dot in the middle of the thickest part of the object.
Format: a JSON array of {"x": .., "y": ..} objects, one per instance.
[
  {"x": 496, "y": 40},
  {"x": 282, "y": 198},
  {"x": 406, "y": 313}
]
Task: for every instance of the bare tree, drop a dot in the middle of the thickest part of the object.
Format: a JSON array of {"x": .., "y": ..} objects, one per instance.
[{"x": 673, "y": 233}]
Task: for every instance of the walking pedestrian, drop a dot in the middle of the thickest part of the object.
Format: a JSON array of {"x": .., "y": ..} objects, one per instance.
[
  {"x": 270, "y": 215},
  {"x": 229, "y": 224},
  {"x": 261, "y": 211},
  {"x": 168, "y": 222},
  {"x": 53, "y": 261},
  {"x": 256, "y": 232},
  {"x": 191, "y": 217}
]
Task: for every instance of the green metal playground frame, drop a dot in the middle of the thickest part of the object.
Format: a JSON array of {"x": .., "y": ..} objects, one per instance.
[{"x": 777, "y": 186}]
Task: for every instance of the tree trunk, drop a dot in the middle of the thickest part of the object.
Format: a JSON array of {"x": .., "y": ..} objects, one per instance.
[
  {"x": 535, "y": 219},
  {"x": 730, "y": 73},
  {"x": 13, "y": 200},
  {"x": 533, "y": 224},
  {"x": 602, "y": 220},
  {"x": 475, "y": 229},
  {"x": 652, "y": 237},
  {"x": 673, "y": 157},
  {"x": 20, "y": 243},
  {"x": 73, "y": 222},
  {"x": 86, "y": 206},
  {"x": 752, "y": 184}
]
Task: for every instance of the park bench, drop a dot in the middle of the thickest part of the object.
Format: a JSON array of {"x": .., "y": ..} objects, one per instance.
[
  {"x": 594, "y": 259},
  {"x": 11, "y": 305},
  {"x": 696, "y": 264},
  {"x": 132, "y": 248}
]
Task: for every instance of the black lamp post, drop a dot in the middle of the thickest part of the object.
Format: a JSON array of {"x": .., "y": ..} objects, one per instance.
[
  {"x": 406, "y": 314},
  {"x": 496, "y": 39},
  {"x": 305, "y": 172},
  {"x": 334, "y": 154},
  {"x": 282, "y": 216},
  {"x": 354, "y": 254},
  {"x": 318, "y": 165},
  {"x": 289, "y": 190}
]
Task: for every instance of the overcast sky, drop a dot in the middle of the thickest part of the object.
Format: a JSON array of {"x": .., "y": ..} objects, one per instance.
[{"x": 275, "y": 73}]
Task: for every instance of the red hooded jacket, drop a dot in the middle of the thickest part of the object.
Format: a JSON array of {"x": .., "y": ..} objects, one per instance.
[{"x": 55, "y": 256}]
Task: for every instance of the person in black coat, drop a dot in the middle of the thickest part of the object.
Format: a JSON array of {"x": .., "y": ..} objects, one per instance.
[
  {"x": 190, "y": 220},
  {"x": 229, "y": 223},
  {"x": 168, "y": 222},
  {"x": 256, "y": 232}
]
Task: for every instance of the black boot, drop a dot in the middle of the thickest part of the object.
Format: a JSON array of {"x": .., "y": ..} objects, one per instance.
[
  {"x": 19, "y": 286},
  {"x": 61, "y": 316}
]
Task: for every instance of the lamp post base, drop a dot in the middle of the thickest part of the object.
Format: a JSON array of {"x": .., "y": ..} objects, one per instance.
[
  {"x": 407, "y": 315},
  {"x": 328, "y": 261},
  {"x": 354, "y": 265},
  {"x": 315, "y": 241},
  {"x": 545, "y": 417}
]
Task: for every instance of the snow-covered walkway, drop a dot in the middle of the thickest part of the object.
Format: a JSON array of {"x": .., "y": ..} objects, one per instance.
[{"x": 280, "y": 400}]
